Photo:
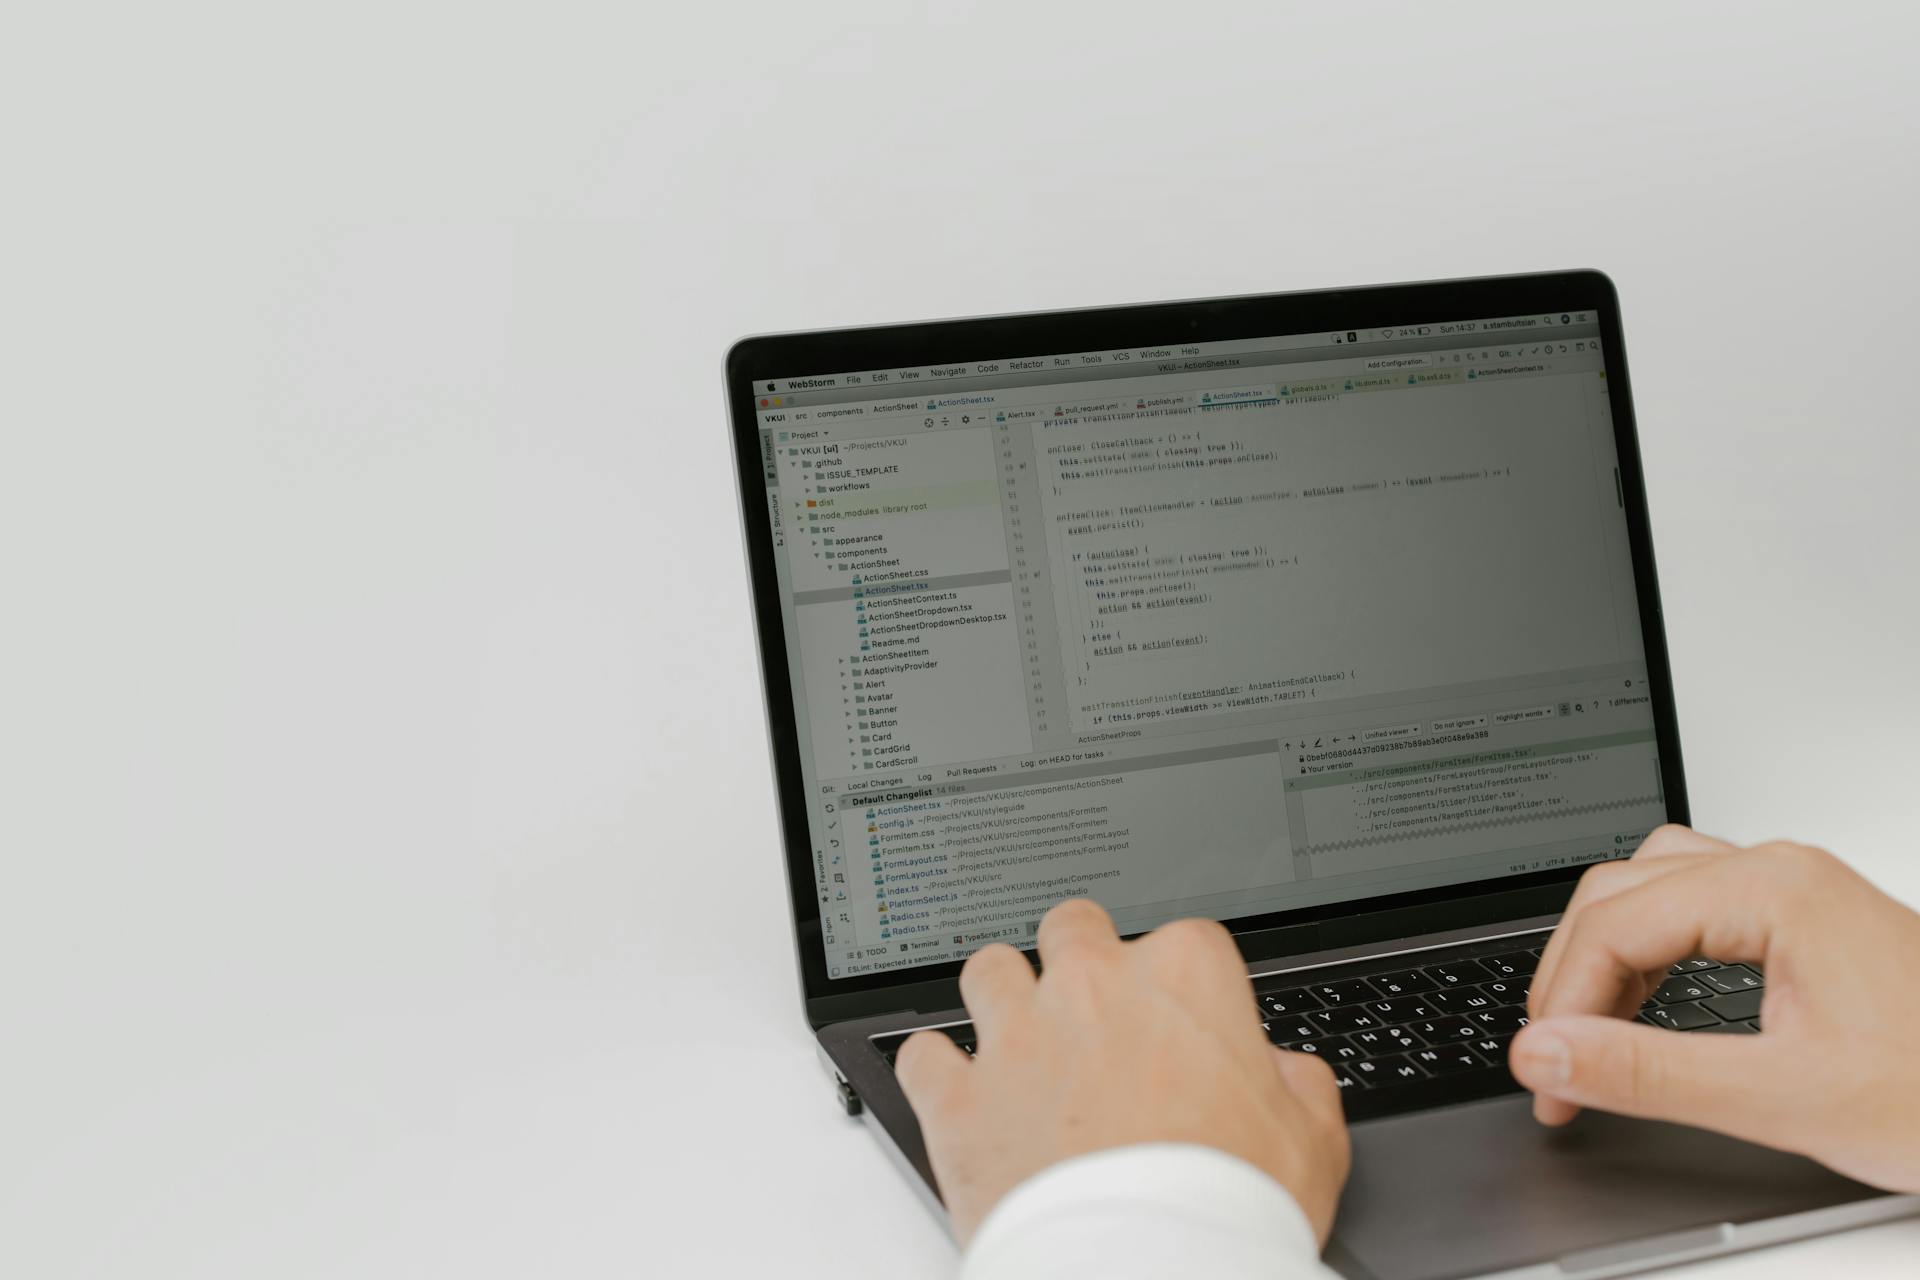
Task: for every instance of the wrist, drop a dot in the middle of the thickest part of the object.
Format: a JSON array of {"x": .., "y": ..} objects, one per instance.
[{"x": 1207, "y": 1191}]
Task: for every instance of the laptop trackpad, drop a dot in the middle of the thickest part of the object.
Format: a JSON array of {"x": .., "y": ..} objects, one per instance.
[{"x": 1479, "y": 1188}]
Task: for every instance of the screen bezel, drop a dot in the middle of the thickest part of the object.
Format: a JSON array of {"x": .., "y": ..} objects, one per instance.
[{"x": 1297, "y": 931}]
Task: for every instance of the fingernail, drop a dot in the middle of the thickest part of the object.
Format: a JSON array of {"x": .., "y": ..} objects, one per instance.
[{"x": 1544, "y": 1058}]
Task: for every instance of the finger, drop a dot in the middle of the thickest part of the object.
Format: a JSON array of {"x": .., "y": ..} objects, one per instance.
[
  {"x": 1198, "y": 961},
  {"x": 1597, "y": 885},
  {"x": 1727, "y": 1083},
  {"x": 931, "y": 1069},
  {"x": 1717, "y": 907},
  {"x": 1674, "y": 840},
  {"x": 1670, "y": 848},
  {"x": 995, "y": 981},
  {"x": 1076, "y": 927},
  {"x": 1654, "y": 857},
  {"x": 1633, "y": 994},
  {"x": 1310, "y": 1087},
  {"x": 1310, "y": 1080}
]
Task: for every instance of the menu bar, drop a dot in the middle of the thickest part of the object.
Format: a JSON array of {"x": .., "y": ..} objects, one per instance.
[{"x": 1165, "y": 358}]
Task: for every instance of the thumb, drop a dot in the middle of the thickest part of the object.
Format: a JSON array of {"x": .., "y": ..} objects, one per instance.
[
  {"x": 1723, "y": 1082},
  {"x": 1310, "y": 1079}
]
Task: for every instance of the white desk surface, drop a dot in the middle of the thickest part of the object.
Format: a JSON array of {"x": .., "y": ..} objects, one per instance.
[{"x": 391, "y": 885}]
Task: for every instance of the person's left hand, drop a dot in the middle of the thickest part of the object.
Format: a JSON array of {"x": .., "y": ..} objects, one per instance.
[{"x": 1156, "y": 1040}]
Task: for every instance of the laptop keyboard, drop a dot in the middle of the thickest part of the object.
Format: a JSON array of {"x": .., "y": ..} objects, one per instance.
[{"x": 1408, "y": 1038}]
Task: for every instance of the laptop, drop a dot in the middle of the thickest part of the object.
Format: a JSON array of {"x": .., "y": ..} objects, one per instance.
[{"x": 1331, "y": 616}]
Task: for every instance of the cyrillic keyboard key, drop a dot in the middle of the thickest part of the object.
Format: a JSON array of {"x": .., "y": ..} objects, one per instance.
[
  {"x": 1374, "y": 1041},
  {"x": 1506, "y": 992},
  {"x": 1698, "y": 964},
  {"x": 1338, "y": 1020},
  {"x": 1321, "y": 1047},
  {"x": 1393, "y": 1069},
  {"x": 1446, "y": 1058},
  {"x": 1397, "y": 1069},
  {"x": 1354, "y": 991},
  {"x": 1517, "y": 965},
  {"x": 1279, "y": 1004},
  {"x": 1458, "y": 973},
  {"x": 1287, "y": 1030},
  {"x": 1405, "y": 1010},
  {"x": 1503, "y": 1021},
  {"x": 1343, "y": 1077},
  {"x": 1737, "y": 1007},
  {"x": 1677, "y": 990},
  {"x": 1734, "y": 977},
  {"x": 1412, "y": 982},
  {"x": 1402, "y": 1038},
  {"x": 1680, "y": 1017},
  {"x": 1441, "y": 1030},
  {"x": 1492, "y": 1048}
]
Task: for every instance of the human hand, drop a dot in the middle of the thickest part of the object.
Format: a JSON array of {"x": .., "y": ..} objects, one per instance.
[
  {"x": 1835, "y": 1071},
  {"x": 1156, "y": 1040}
]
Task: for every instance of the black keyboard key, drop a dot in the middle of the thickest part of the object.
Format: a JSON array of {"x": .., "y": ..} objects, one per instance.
[
  {"x": 1341, "y": 1049},
  {"x": 1343, "y": 1076},
  {"x": 1679, "y": 1017},
  {"x": 1405, "y": 1010},
  {"x": 1734, "y": 977},
  {"x": 1503, "y": 1021},
  {"x": 1334, "y": 994},
  {"x": 1279, "y": 1004},
  {"x": 1338, "y": 1020},
  {"x": 1678, "y": 990},
  {"x": 1506, "y": 992},
  {"x": 1375, "y": 1041},
  {"x": 1738, "y": 1007},
  {"x": 1441, "y": 1030},
  {"x": 1517, "y": 965},
  {"x": 1322, "y": 1047},
  {"x": 1390, "y": 1070},
  {"x": 1732, "y": 1029},
  {"x": 1698, "y": 964},
  {"x": 1287, "y": 1030},
  {"x": 1463, "y": 1000},
  {"x": 1398, "y": 1069},
  {"x": 1492, "y": 1048},
  {"x": 1458, "y": 973},
  {"x": 1445, "y": 1059},
  {"x": 1403, "y": 1039},
  {"x": 1410, "y": 983}
]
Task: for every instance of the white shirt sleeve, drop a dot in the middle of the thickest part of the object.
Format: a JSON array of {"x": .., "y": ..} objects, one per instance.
[{"x": 1154, "y": 1210}]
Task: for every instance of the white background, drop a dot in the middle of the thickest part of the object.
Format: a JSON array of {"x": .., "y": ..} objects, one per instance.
[{"x": 390, "y": 881}]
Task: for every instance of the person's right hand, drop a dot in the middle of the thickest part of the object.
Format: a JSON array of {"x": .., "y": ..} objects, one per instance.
[
  {"x": 1835, "y": 1071},
  {"x": 1116, "y": 1044}
]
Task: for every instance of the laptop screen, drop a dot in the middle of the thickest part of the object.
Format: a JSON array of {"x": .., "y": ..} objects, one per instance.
[{"x": 1216, "y": 628}]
